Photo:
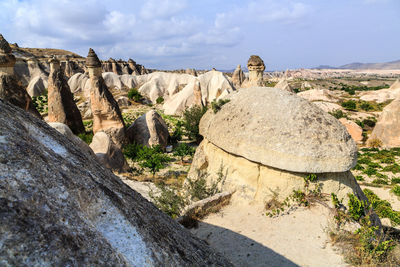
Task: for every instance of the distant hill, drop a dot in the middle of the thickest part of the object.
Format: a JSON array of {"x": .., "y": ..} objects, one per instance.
[
  {"x": 41, "y": 52},
  {"x": 393, "y": 65}
]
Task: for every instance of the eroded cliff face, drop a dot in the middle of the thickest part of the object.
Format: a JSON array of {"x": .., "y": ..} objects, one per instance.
[{"x": 60, "y": 207}]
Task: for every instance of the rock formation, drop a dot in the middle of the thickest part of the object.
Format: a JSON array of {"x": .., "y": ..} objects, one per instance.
[
  {"x": 191, "y": 72},
  {"x": 284, "y": 85},
  {"x": 354, "y": 129},
  {"x": 109, "y": 154},
  {"x": 143, "y": 70},
  {"x": 68, "y": 68},
  {"x": 256, "y": 68},
  {"x": 238, "y": 77},
  {"x": 10, "y": 89},
  {"x": 106, "y": 114},
  {"x": 60, "y": 207},
  {"x": 132, "y": 66},
  {"x": 61, "y": 105},
  {"x": 265, "y": 140},
  {"x": 149, "y": 130},
  {"x": 387, "y": 128},
  {"x": 114, "y": 67}
]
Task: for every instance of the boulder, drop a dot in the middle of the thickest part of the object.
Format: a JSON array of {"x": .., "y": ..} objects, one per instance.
[
  {"x": 66, "y": 131},
  {"x": 79, "y": 82},
  {"x": 149, "y": 130},
  {"x": 354, "y": 129},
  {"x": 37, "y": 86},
  {"x": 123, "y": 101},
  {"x": 251, "y": 126},
  {"x": 60, "y": 207},
  {"x": 112, "y": 80},
  {"x": 109, "y": 154},
  {"x": 284, "y": 85},
  {"x": 387, "y": 128}
]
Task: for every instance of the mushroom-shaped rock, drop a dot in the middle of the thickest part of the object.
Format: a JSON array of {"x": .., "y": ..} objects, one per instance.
[
  {"x": 256, "y": 69},
  {"x": 149, "y": 130},
  {"x": 265, "y": 140},
  {"x": 278, "y": 129}
]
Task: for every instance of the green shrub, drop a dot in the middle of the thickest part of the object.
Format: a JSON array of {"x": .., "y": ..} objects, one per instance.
[
  {"x": 199, "y": 189},
  {"x": 350, "y": 105},
  {"x": 394, "y": 168},
  {"x": 216, "y": 105},
  {"x": 40, "y": 103},
  {"x": 359, "y": 178},
  {"x": 131, "y": 150},
  {"x": 86, "y": 137},
  {"x": 191, "y": 120},
  {"x": 154, "y": 162},
  {"x": 183, "y": 150},
  {"x": 356, "y": 208},
  {"x": 395, "y": 180},
  {"x": 160, "y": 100},
  {"x": 370, "y": 171},
  {"x": 358, "y": 167},
  {"x": 369, "y": 122},
  {"x": 338, "y": 114},
  {"x": 366, "y": 106},
  {"x": 177, "y": 133},
  {"x": 380, "y": 181},
  {"x": 373, "y": 165},
  {"x": 169, "y": 201},
  {"x": 134, "y": 94},
  {"x": 382, "y": 207},
  {"x": 396, "y": 190}
]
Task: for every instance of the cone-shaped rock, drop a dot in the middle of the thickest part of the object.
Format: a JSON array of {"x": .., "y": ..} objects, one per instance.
[
  {"x": 10, "y": 89},
  {"x": 61, "y": 105},
  {"x": 106, "y": 113}
]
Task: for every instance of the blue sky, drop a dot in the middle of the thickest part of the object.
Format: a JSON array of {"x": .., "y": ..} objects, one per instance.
[{"x": 173, "y": 34}]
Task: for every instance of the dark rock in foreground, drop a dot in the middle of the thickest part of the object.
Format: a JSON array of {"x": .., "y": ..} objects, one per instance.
[{"x": 60, "y": 207}]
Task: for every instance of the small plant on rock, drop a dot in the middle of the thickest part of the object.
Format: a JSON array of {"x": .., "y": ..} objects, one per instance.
[{"x": 216, "y": 105}]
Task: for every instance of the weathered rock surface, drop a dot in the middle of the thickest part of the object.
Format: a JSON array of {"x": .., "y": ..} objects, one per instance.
[
  {"x": 109, "y": 154},
  {"x": 79, "y": 82},
  {"x": 327, "y": 106},
  {"x": 10, "y": 89},
  {"x": 60, "y": 207},
  {"x": 61, "y": 105},
  {"x": 149, "y": 130},
  {"x": 258, "y": 183},
  {"x": 123, "y": 101},
  {"x": 387, "y": 128},
  {"x": 382, "y": 95},
  {"x": 353, "y": 129},
  {"x": 66, "y": 131},
  {"x": 279, "y": 129},
  {"x": 106, "y": 113},
  {"x": 112, "y": 80}
]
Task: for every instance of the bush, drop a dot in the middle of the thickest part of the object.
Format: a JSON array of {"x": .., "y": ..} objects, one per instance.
[
  {"x": 382, "y": 207},
  {"x": 395, "y": 180},
  {"x": 396, "y": 190},
  {"x": 40, "y": 103},
  {"x": 350, "y": 105},
  {"x": 169, "y": 201},
  {"x": 356, "y": 208},
  {"x": 216, "y": 105},
  {"x": 134, "y": 94},
  {"x": 338, "y": 114},
  {"x": 183, "y": 150},
  {"x": 160, "y": 100},
  {"x": 394, "y": 168},
  {"x": 370, "y": 171},
  {"x": 380, "y": 181},
  {"x": 154, "y": 162},
  {"x": 191, "y": 121},
  {"x": 86, "y": 137},
  {"x": 369, "y": 122},
  {"x": 375, "y": 143},
  {"x": 131, "y": 150},
  {"x": 366, "y": 106},
  {"x": 177, "y": 133}
]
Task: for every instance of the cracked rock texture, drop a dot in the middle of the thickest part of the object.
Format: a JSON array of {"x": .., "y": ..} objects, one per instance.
[{"x": 60, "y": 207}]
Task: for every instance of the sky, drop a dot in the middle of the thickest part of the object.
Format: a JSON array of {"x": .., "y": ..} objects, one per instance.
[{"x": 202, "y": 34}]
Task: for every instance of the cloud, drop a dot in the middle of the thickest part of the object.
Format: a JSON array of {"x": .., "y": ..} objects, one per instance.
[{"x": 153, "y": 31}]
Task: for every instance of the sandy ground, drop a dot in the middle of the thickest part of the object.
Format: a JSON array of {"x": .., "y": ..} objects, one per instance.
[{"x": 245, "y": 235}]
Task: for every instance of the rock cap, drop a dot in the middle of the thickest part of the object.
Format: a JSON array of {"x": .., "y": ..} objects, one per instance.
[
  {"x": 92, "y": 61},
  {"x": 281, "y": 130},
  {"x": 255, "y": 61}
]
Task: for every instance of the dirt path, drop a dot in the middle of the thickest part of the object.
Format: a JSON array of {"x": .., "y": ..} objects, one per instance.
[{"x": 249, "y": 238}]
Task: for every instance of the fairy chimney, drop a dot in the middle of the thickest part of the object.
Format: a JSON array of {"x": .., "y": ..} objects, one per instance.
[
  {"x": 10, "y": 89},
  {"x": 61, "y": 104},
  {"x": 132, "y": 66},
  {"x": 106, "y": 113},
  {"x": 256, "y": 68},
  {"x": 238, "y": 76}
]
